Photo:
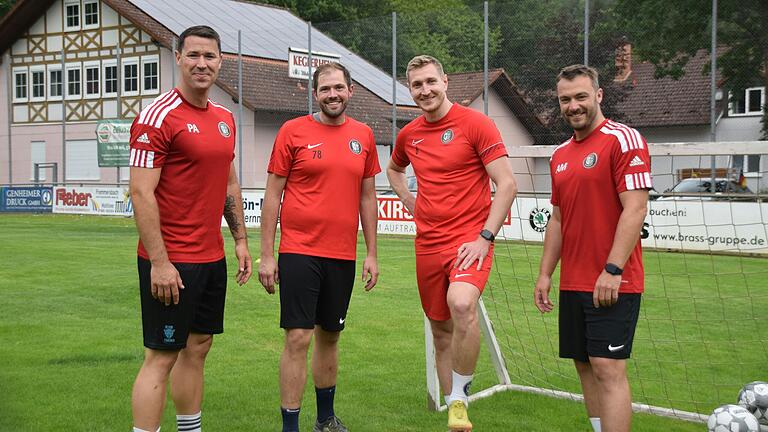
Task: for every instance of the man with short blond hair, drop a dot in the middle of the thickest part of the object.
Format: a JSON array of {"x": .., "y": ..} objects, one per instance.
[
  {"x": 455, "y": 153},
  {"x": 605, "y": 165}
]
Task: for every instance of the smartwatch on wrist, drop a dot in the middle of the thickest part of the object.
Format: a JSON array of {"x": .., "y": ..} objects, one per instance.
[
  {"x": 487, "y": 235},
  {"x": 613, "y": 269}
]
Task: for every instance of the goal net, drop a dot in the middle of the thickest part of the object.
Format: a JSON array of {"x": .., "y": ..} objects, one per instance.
[{"x": 703, "y": 327}]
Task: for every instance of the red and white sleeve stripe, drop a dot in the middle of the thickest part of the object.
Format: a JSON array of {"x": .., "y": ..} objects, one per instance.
[
  {"x": 142, "y": 158},
  {"x": 638, "y": 181}
]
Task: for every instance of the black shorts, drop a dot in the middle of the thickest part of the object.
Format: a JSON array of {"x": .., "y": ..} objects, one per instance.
[
  {"x": 200, "y": 308},
  {"x": 586, "y": 331},
  {"x": 314, "y": 291}
]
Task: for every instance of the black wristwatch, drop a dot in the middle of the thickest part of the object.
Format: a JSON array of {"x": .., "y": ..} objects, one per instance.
[
  {"x": 613, "y": 269},
  {"x": 487, "y": 235}
]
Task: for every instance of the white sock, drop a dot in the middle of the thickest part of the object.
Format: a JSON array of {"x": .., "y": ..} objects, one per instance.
[
  {"x": 189, "y": 422},
  {"x": 135, "y": 429},
  {"x": 447, "y": 399},
  {"x": 595, "y": 423},
  {"x": 460, "y": 387}
]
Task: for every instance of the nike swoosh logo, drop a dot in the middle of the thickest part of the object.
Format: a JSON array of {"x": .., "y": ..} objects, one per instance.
[
  {"x": 311, "y": 146},
  {"x": 612, "y": 348},
  {"x": 341, "y": 321},
  {"x": 416, "y": 141},
  {"x": 463, "y": 274}
]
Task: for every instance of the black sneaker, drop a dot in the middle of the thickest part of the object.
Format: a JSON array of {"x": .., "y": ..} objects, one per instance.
[{"x": 333, "y": 424}]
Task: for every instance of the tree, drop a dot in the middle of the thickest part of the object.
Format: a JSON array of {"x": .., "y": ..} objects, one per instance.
[
  {"x": 669, "y": 34},
  {"x": 5, "y": 6}
]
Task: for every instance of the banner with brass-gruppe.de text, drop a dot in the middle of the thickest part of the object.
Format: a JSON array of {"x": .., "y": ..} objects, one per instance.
[{"x": 113, "y": 138}]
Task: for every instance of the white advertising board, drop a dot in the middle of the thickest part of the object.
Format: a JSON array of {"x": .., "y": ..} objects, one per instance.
[
  {"x": 717, "y": 226},
  {"x": 92, "y": 200},
  {"x": 298, "y": 60}
]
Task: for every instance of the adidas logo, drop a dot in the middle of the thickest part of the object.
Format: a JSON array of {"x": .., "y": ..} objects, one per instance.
[
  {"x": 636, "y": 161},
  {"x": 145, "y": 139}
]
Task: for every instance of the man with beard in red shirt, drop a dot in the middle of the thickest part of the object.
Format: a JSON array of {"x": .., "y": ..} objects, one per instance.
[{"x": 600, "y": 182}]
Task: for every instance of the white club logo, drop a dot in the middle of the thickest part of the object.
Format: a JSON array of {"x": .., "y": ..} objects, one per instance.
[
  {"x": 447, "y": 136},
  {"x": 355, "y": 146},
  {"x": 224, "y": 129},
  {"x": 590, "y": 160}
]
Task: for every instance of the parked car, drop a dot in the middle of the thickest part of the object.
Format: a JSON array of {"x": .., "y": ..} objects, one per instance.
[{"x": 701, "y": 189}]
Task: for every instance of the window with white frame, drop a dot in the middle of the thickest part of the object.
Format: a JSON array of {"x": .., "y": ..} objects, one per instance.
[
  {"x": 90, "y": 14},
  {"x": 110, "y": 77},
  {"x": 131, "y": 77},
  {"x": 37, "y": 155},
  {"x": 92, "y": 70},
  {"x": 74, "y": 82},
  {"x": 746, "y": 164},
  {"x": 55, "y": 82},
  {"x": 748, "y": 102},
  {"x": 71, "y": 15},
  {"x": 150, "y": 76},
  {"x": 20, "y": 81},
  {"x": 82, "y": 160},
  {"x": 37, "y": 83}
]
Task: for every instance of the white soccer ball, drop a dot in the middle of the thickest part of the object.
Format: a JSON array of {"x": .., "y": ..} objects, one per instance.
[
  {"x": 732, "y": 418},
  {"x": 754, "y": 397}
]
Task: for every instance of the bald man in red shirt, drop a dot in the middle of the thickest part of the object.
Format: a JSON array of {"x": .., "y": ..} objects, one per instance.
[{"x": 455, "y": 153}]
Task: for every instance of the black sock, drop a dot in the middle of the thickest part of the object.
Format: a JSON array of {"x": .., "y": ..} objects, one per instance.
[
  {"x": 325, "y": 403},
  {"x": 290, "y": 419}
]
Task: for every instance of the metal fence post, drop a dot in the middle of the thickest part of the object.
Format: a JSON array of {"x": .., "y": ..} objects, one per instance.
[
  {"x": 586, "y": 32},
  {"x": 240, "y": 104},
  {"x": 309, "y": 67},
  {"x": 394, "y": 82},
  {"x": 713, "y": 92},
  {"x": 485, "y": 57}
]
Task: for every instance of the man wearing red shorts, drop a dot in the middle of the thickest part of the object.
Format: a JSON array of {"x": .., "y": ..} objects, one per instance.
[
  {"x": 600, "y": 182},
  {"x": 455, "y": 153}
]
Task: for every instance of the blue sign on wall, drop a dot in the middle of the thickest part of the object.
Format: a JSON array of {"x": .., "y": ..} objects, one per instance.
[{"x": 26, "y": 199}]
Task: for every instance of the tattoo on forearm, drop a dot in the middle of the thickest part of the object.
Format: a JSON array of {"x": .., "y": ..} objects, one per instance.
[{"x": 235, "y": 225}]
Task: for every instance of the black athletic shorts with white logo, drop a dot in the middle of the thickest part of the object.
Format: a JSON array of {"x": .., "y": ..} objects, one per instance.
[
  {"x": 586, "y": 331},
  {"x": 200, "y": 308},
  {"x": 314, "y": 291}
]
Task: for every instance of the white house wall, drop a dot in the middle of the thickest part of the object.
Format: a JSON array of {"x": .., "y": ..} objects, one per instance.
[{"x": 512, "y": 132}]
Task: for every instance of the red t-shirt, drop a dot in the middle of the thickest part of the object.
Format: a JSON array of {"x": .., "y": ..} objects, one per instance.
[
  {"x": 587, "y": 178},
  {"x": 194, "y": 147},
  {"x": 449, "y": 158},
  {"x": 325, "y": 166}
]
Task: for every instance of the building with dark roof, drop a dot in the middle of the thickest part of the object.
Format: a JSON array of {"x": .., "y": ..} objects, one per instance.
[{"x": 119, "y": 57}]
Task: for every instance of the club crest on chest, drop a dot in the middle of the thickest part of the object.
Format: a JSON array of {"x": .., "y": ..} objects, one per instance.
[{"x": 355, "y": 146}]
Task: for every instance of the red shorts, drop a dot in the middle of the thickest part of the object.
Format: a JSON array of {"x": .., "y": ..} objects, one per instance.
[{"x": 435, "y": 272}]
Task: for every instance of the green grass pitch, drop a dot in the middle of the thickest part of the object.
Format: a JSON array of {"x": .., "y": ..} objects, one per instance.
[{"x": 70, "y": 339}]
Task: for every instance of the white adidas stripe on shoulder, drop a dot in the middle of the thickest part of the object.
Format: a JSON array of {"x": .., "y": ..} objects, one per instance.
[
  {"x": 155, "y": 113},
  {"x": 161, "y": 116},
  {"x": 219, "y": 106},
  {"x": 561, "y": 145},
  {"x": 629, "y": 138},
  {"x": 146, "y": 112}
]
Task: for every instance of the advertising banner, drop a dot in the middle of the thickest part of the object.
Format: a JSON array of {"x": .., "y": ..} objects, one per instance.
[
  {"x": 26, "y": 199},
  {"x": 252, "y": 201},
  {"x": 112, "y": 137},
  {"x": 695, "y": 225},
  {"x": 92, "y": 200},
  {"x": 717, "y": 226},
  {"x": 298, "y": 59}
]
